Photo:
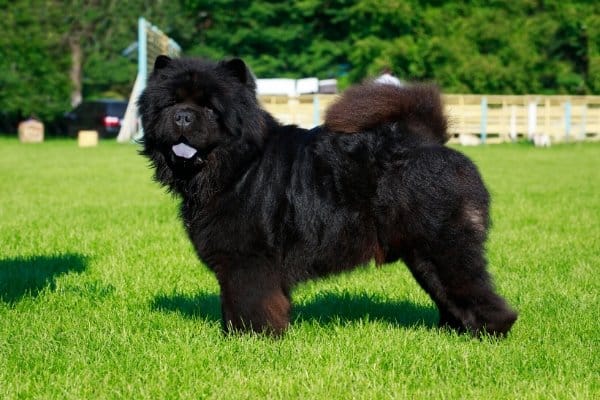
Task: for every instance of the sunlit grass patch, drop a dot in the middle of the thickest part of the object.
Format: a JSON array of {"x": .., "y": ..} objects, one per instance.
[{"x": 102, "y": 296}]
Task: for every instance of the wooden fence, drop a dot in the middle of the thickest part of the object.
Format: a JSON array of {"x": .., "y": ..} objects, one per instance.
[{"x": 477, "y": 118}]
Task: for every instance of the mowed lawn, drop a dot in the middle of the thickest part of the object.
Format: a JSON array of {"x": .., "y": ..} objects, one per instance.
[{"x": 102, "y": 296}]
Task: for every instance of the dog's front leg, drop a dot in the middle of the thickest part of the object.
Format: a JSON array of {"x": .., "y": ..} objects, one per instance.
[{"x": 254, "y": 299}]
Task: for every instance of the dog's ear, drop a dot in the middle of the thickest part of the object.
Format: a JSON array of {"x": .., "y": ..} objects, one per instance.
[
  {"x": 237, "y": 67},
  {"x": 161, "y": 62}
]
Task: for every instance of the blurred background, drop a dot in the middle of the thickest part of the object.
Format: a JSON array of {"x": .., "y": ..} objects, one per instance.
[{"x": 54, "y": 54}]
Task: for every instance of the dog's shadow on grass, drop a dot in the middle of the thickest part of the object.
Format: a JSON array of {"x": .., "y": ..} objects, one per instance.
[
  {"x": 325, "y": 308},
  {"x": 347, "y": 307},
  {"x": 29, "y": 275}
]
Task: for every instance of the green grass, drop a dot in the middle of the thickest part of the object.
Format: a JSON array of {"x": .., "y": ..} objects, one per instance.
[{"x": 101, "y": 295}]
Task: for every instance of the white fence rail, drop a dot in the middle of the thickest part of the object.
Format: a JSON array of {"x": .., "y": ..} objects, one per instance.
[{"x": 477, "y": 118}]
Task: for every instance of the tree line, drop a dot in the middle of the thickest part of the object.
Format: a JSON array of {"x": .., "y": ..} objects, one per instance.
[{"x": 54, "y": 53}]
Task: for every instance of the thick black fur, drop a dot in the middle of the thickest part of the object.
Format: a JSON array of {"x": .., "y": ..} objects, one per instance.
[{"x": 267, "y": 206}]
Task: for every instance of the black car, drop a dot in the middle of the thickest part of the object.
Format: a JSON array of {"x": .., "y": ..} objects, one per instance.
[{"x": 104, "y": 116}]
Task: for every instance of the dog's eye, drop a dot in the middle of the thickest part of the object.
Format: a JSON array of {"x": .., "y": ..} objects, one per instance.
[{"x": 213, "y": 114}]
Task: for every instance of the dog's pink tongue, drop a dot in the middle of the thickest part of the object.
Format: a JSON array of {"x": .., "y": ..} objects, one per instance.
[{"x": 183, "y": 150}]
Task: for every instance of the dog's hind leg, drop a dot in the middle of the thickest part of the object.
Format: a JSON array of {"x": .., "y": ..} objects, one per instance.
[{"x": 459, "y": 284}]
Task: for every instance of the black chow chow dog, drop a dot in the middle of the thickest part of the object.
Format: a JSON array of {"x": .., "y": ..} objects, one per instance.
[{"x": 267, "y": 206}]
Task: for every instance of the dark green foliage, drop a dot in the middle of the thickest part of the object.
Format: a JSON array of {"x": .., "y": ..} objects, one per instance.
[
  {"x": 33, "y": 68},
  {"x": 500, "y": 46}
]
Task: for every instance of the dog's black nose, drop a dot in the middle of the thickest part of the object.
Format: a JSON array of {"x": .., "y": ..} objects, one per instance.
[{"x": 183, "y": 118}]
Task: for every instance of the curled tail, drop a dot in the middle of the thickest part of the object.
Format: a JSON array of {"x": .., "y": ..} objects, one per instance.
[{"x": 368, "y": 105}]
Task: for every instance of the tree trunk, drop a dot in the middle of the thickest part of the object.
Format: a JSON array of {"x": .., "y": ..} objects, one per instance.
[{"x": 75, "y": 73}]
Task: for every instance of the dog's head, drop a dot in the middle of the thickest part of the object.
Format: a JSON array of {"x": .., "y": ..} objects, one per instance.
[{"x": 192, "y": 107}]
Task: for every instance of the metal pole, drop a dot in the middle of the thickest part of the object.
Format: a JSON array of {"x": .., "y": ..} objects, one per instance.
[{"x": 142, "y": 53}]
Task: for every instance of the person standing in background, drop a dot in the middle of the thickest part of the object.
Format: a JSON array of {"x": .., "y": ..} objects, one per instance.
[{"x": 388, "y": 78}]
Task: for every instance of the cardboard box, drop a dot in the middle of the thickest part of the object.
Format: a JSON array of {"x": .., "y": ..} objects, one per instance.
[
  {"x": 87, "y": 138},
  {"x": 31, "y": 131}
]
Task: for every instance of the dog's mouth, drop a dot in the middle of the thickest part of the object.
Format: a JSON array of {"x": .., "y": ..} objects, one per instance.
[
  {"x": 184, "y": 150},
  {"x": 186, "y": 159}
]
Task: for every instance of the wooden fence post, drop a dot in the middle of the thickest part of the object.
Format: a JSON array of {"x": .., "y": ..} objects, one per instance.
[
  {"x": 483, "y": 119},
  {"x": 531, "y": 119},
  {"x": 567, "y": 120},
  {"x": 513, "y": 122},
  {"x": 582, "y": 127},
  {"x": 547, "y": 116},
  {"x": 316, "y": 110}
]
